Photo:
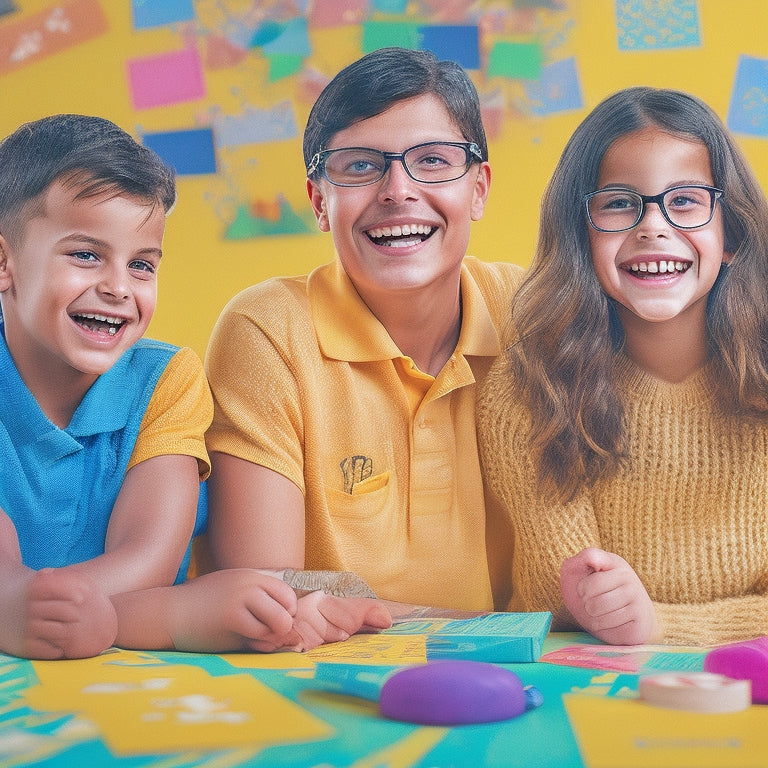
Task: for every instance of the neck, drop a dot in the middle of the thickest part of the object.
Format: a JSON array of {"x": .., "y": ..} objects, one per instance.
[
  {"x": 58, "y": 390},
  {"x": 670, "y": 351},
  {"x": 425, "y": 327}
]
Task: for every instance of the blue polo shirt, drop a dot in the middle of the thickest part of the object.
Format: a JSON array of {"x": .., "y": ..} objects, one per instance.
[{"x": 59, "y": 486}]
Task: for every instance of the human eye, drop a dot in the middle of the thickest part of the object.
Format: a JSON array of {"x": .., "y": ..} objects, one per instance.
[
  {"x": 84, "y": 256},
  {"x": 687, "y": 198},
  {"x": 618, "y": 200},
  {"x": 354, "y": 165},
  {"x": 436, "y": 157},
  {"x": 142, "y": 268}
]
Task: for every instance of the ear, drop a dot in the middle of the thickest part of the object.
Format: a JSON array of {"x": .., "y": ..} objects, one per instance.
[
  {"x": 480, "y": 193},
  {"x": 317, "y": 198},
  {"x": 5, "y": 269}
]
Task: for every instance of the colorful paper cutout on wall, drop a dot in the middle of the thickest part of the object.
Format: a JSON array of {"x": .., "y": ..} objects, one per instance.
[
  {"x": 516, "y": 60},
  {"x": 394, "y": 7},
  {"x": 748, "y": 109},
  {"x": 7, "y": 6},
  {"x": 556, "y": 90},
  {"x": 337, "y": 14},
  {"x": 382, "y": 34},
  {"x": 255, "y": 126},
  {"x": 648, "y": 25},
  {"x": 166, "y": 78},
  {"x": 156, "y": 13},
  {"x": 293, "y": 39},
  {"x": 283, "y": 65},
  {"x": 459, "y": 43},
  {"x": 248, "y": 224},
  {"x": 189, "y": 152},
  {"x": 53, "y": 30}
]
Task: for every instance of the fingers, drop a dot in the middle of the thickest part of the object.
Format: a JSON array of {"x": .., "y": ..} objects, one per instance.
[
  {"x": 352, "y": 613},
  {"x": 264, "y": 609}
]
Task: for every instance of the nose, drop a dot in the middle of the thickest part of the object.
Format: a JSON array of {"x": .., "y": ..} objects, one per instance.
[
  {"x": 653, "y": 223},
  {"x": 114, "y": 283},
  {"x": 396, "y": 185}
]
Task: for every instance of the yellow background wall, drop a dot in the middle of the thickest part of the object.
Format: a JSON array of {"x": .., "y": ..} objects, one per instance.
[{"x": 201, "y": 269}]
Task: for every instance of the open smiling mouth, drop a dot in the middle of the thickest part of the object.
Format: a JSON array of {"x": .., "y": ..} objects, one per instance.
[
  {"x": 645, "y": 268},
  {"x": 400, "y": 236},
  {"x": 99, "y": 323}
]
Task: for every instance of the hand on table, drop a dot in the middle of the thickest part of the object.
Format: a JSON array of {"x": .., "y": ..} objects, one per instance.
[
  {"x": 61, "y": 614},
  {"x": 607, "y": 598},
  {"x": 322, "y": 618}
]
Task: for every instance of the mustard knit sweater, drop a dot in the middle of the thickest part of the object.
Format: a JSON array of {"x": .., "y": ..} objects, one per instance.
[{"x": 689, "y": 513}]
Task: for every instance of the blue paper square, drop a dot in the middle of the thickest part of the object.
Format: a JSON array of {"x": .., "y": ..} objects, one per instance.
[
  {"x": 748, "y": 110},
  {"x": 189, "y": 152},
  {"x": 460, "y": 43},
  {"x": 156, "y": 13},
  {"x": 557, "y": 89}
]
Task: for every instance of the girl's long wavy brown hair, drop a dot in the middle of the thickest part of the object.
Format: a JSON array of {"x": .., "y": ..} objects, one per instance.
[{"x": 568, "y": 331}]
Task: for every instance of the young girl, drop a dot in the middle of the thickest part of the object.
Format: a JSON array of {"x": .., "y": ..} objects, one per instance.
[{"x": 626, "y": 429}]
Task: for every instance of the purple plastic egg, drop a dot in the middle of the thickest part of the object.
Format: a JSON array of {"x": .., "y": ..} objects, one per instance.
[{"x": 452, "y": 693}]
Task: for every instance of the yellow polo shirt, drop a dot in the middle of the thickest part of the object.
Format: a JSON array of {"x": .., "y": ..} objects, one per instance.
[{"x": 307, "y": 382}]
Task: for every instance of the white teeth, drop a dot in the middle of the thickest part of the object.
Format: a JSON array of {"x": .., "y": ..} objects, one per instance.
[
  {"x": 103, "y": 318},
  {"x": 662, "y": 267},
  {"x": 400, "y": 231}
]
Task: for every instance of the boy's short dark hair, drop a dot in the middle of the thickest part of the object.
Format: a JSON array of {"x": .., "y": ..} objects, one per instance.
[
  {"x": 101, "y": 156},
  {"x": 373, "y": 83}
]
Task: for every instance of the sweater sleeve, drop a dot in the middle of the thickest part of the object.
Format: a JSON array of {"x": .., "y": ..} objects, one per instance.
[{"x": 716, "y": 622}]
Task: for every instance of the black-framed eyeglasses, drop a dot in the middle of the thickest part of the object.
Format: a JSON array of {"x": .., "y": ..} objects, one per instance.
[
  {"x": 687, "y": 206},
  {"x": 429, "y": 163}
]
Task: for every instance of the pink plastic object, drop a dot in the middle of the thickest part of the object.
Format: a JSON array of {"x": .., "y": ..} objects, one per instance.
[
  {"x": 743, "y": 661},
  {"x": 452, "y": 692}
]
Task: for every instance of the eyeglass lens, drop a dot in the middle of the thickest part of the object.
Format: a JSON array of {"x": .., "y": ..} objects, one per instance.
[
  {"x": 428, "y": 163},
  {"x": 613, "y": 210}
]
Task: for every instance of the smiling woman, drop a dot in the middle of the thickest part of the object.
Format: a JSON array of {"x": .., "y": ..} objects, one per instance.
[{"x": 626, "y": 428}]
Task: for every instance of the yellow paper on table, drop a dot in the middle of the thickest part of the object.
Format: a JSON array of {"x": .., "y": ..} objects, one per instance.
[
  {"x": 358, "y": 649},
  {"x": 144, "y": 708},
  {"x": 628, "y": 733},
  {"x": 374, "y": 649}
]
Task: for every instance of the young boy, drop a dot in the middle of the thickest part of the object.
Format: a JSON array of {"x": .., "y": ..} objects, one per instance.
[
  {"x": 350, "y": 445},
  {"x": 101, "y": 431}
]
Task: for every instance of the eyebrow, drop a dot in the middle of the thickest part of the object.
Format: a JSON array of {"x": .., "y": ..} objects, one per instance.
[
  {"x": 682, "y": 183},
  {"x": 81, "y": 237}
]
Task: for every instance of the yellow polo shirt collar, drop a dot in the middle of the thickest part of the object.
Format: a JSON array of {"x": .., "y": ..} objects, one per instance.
[{"x": 335, "y": 303}]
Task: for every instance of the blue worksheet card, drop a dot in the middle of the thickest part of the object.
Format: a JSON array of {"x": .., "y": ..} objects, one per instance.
[
  {"x": 650, "y": 25},
  {"x": 748, "y": 110}
]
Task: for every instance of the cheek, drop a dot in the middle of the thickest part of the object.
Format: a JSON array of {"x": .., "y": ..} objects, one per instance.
[{"x": 603, "y": 255}]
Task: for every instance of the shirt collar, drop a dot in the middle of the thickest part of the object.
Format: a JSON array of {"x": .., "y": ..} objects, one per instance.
[
  {"x": 336, "y": 305},
  {"x": 101, "y": 410}
]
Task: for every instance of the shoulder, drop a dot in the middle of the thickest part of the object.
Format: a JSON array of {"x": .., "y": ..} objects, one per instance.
[
  {"x": 261, "y": 299},
  {"x": 494, "y": 277},
  {"x": 500, "y": 408},
  {"x": 152, "y": 361},
  {"x": 496, "y": 283}
]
